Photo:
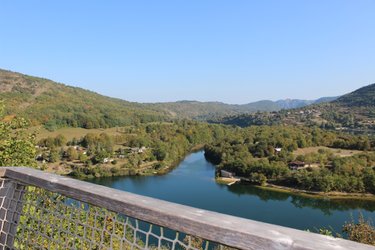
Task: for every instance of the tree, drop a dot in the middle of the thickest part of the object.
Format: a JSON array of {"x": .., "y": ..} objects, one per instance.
[
  {"x": 159, "y": 152},
  {"x": 54, "y": 156},
  {"x": 100, "y": 156},
  {"x": 60, "y": 140},
  {"x": 17, "y": 146},
  {"x": 71, "y": 154},
  {"x": 258, "y": 178},
  {"x": 48, "y": 142},
  {"x": 369, "y": 180}
]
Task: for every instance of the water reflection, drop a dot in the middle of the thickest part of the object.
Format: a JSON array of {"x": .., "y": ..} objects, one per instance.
[
  {"x": 326, "y": 205},
  {"x": 192, "y": 184}
]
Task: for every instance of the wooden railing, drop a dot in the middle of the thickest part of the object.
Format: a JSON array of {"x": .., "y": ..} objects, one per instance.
[{"x": 47, "y": 211}]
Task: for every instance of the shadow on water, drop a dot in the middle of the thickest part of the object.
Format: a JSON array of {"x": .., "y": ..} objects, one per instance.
[{"x": 326, "y": 205}]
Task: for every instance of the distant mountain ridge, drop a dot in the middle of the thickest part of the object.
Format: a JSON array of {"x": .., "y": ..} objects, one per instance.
[
  {"x": 210, "y": 110},
  {"x": 296, "y": 103},
  {"x": 353, "y": 112}
]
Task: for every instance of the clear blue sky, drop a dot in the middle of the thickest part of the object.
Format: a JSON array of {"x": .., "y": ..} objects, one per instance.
[{"x": 207, "y": 50}]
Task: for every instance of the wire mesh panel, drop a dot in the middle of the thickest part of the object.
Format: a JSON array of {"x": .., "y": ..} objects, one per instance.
[
  {"x": 49, "y": 220},
  {"x": 11, "y": 196}
]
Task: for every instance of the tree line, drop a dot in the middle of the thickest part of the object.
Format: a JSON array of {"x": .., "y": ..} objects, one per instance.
[{"x": 251, "y": 152}]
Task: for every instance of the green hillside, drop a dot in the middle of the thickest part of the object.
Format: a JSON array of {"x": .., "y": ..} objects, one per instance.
[
  {"x": 210, "y": 110},
  {"x": 363, "y": 97},
  {"x": 215, "y": 110},
  {"x": 57, "y": 105},
  {"x": 353, "y": 112}
]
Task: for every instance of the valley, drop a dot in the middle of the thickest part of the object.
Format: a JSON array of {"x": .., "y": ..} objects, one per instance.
[
  {"x": 309, "y": 151},
  {"x": 205, "y": 125}
]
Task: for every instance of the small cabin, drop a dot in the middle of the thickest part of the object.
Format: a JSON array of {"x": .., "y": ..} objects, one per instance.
[
  {"x": 295, "y": 165},
  {"x": 226, "y": 174}
]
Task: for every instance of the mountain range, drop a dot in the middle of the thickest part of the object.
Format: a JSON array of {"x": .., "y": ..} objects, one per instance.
[
  {"x": 211, "y": 110},
  {"x": 54, "y": 105},
  {"x": 353, "y": 112}
]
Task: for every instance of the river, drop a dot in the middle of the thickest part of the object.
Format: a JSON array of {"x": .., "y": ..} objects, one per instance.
[{"x": 192, "y": 183}]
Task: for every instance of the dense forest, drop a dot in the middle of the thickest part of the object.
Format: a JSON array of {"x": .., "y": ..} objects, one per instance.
[
  {"x": 143, "y": 149},
  {"x": 251, "y": 152}
]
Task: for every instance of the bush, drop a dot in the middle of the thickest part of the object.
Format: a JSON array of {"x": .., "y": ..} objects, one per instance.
[{"x": 362, "y": 231}]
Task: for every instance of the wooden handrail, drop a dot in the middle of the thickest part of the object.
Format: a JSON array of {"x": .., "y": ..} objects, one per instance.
[{"x": 225, "y": 229}]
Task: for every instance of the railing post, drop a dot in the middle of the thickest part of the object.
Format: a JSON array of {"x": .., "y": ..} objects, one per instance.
[{"x": 11, "y": 195}]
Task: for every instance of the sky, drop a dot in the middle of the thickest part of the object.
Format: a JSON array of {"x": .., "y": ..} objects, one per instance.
[{"x": 205, "y": 50}]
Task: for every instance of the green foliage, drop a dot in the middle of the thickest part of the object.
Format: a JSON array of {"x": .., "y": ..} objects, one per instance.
[
  {"x": 96, "y": 144},
  {"x": 72, "y": 224},
  {"x": 250, "y": 152},
  {"x": 159, "y": 152},
  {"x": 71, "y": 154},
  {"x": 258, "y": 178},
  {"x": 17, "y": 146},
  {"x": 56, "y": 105},
  {"x": 146, "y": 148},
  {"x": 325, "y": 231},
  {"x": 54, "y": 156},
  {"x": 51, "y": 142}
]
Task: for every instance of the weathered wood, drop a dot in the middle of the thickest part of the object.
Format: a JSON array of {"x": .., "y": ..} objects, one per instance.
[
  {"x": 2, "y": 171},
  {"x": 228, "y": 230},
  {"x": 11, "y": 196}
]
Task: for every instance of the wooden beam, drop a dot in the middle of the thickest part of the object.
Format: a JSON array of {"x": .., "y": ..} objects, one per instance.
[
  {"x": 225, "y": 229},
  {"x": 2, "y": 171}
]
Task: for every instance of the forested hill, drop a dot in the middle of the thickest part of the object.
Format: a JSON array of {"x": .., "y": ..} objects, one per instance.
[
  {"x": 214, "y": 110},
  {"x": 363, "y": 97},
  {"x": 55, "y": 105},
  {"x": 353, "y": 112},
  {"x": 210, "y": 110}
]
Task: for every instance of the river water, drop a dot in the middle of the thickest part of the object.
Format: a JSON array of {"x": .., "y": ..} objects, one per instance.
[{"x": 192, "y": 183}]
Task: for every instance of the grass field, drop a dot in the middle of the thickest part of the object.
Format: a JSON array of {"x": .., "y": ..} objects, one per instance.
[{"x": 335, "y": 151}]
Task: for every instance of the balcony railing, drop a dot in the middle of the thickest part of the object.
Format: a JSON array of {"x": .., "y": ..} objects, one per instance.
[{"x": 40, "y": 210}]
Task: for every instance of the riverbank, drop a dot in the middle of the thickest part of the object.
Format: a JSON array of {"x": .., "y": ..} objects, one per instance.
[
  {"x": 315, "y": 194},
  {"x": 192, "y": 184},
  {"x": 227, "y": 181},
  {"x": 84, "y": 172},
  {"x": 306, "y": 193},
  {"x": 168, "y": 168}
]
